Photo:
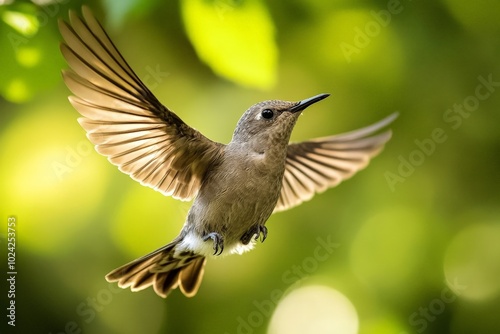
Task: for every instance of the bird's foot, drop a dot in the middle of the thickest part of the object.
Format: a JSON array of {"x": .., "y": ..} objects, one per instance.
[
  {"x": 257, "y": 230},
  {"x": 218, "y": 242}
]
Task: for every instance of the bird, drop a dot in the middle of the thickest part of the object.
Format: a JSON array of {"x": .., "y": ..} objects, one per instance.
[{"x": 234, "y": 187}]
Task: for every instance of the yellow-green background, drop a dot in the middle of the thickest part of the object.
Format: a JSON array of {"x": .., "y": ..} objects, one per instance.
[{"x": 419, "y": 256}]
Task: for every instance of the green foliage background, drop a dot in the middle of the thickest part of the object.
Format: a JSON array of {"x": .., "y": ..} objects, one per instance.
[{"x": 417, "y": 234}]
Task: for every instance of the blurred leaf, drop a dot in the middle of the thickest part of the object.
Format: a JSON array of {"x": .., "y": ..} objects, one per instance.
[{"x": 235, "y": 38}]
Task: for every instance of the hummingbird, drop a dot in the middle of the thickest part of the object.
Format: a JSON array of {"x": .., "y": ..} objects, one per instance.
[{"x": 235, "y": 186}]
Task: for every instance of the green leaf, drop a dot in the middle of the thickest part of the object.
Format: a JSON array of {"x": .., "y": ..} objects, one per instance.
[{"x": 235, "y": 38}]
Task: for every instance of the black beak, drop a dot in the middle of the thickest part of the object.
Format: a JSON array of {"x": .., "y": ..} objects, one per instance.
[{"x": 301, "y": 105}]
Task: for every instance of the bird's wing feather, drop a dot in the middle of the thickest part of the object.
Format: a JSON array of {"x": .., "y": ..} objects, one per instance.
[
  {"x": 125, "y": 121},
  {"x": 316, "y": 165}
]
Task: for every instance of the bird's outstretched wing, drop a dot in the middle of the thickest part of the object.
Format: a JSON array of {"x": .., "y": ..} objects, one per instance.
[
  {"x": 124, "y": 120},
  {"x": 316, "y": 165}
]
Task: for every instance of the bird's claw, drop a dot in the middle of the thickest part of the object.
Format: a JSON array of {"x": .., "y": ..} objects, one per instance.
[
  {"x": 218, "y": 242},
  {"x": 257, "y": 230}
]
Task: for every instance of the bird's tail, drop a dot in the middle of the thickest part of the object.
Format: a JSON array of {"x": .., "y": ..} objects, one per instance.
[{"x": 164, "y": 269}]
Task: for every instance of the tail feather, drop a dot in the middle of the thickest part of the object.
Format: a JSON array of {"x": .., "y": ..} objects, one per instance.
[
  {"x": 190, "y": 277},
  {"x": 164, "y": 270},
  {"x": 166, "y": 282}
]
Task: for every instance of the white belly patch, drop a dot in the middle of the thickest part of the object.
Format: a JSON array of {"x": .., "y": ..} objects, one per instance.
[{"x": 193, "y": 242}]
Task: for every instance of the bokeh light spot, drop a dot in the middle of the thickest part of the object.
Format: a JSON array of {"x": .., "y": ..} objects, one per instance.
[
  {"x": 145, "y": 220},
  {"x": 387, "y": 249},
  {"x": 358, "y": 40},
  {"x": 472, "y": 262},
  {"x": 28, "y": 57},
  {"x": 479, "y": 16},
  {"x": 47, "y": 185},
  {"x": 314, "y": 309},
  {"x": 17, "y": 90},
  {"x": 25, "y": 24}
]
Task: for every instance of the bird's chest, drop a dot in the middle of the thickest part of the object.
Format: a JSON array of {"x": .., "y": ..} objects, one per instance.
[
  {"x": 254, "y": 178},
  {"x": 241, "y": 192}
]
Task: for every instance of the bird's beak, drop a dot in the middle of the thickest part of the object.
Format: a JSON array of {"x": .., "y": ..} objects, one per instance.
[{"x": 301, "y": 105}]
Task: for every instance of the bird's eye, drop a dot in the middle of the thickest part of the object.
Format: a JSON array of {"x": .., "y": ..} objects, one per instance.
[{"x": 267, "y": 113}]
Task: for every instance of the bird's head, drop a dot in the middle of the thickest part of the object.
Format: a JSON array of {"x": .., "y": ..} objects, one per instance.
[{"x": 273, "y": 119}]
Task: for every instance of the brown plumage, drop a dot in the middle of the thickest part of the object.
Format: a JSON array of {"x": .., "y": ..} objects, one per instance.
[{"x": 235, "y": 187}]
